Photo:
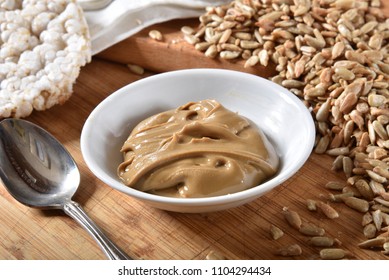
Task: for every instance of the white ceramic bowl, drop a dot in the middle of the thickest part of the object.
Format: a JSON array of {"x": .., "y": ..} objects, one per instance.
[{"x": 281, "y": 116}]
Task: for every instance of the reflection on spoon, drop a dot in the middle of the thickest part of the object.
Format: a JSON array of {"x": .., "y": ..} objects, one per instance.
[{"x": 39, "y": 172}]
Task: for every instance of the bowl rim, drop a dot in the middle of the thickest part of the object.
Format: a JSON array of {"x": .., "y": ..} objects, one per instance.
[{"x": 215, "y": 200}]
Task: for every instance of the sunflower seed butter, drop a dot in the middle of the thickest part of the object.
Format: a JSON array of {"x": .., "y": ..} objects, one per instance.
[{"x": 200, "y": 149}]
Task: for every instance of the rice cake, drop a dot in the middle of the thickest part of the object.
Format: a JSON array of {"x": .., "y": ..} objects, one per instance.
[{"x": 43, "y": 45}]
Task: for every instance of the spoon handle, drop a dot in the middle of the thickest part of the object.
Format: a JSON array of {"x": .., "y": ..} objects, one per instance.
[{"x": 74, "y": 210}]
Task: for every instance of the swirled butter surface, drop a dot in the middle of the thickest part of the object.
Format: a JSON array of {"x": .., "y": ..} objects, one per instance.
[{"x": 200, "y": 149}]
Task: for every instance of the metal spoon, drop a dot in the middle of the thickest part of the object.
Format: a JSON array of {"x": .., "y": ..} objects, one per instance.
[{"x": 39, "y": 172}]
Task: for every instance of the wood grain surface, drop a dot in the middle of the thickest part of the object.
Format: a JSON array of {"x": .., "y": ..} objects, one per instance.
[{"x": 148, "y": 233}]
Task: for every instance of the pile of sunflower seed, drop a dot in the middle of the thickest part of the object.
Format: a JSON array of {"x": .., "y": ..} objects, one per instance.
[{"x": 333, "y": 55}]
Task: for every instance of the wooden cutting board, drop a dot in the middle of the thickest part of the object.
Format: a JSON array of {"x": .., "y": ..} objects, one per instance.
[
  {"x": 148, "y": 233},
  {"x": 172, "y": 53}
]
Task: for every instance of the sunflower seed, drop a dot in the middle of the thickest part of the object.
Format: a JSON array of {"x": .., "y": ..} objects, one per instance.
[
  {"x": 136, "y": 69},
  {"x": 368, "y": 27},
  {"x": 245, "y": 44},
  {"x": 352, "y": 189},
  {"x": 376, "y": 177},
  {"x": 310, "y": 229},
  {"x": 364, "y": 189},
  {"x": 289, "y": 251},
  {"x": 369, "y": 231},
  {"x": 230, "y": 54},
  {"x": 338, "y": 151},
  {"x": 230, "y": 47},
  {"x": 384, "y": 194},
  {"x": 187, "y": 30},
  {"x": 263, "y": 57},
  {"x": 276, "y": 232},
  {"x": 367, "y": 218},
  {"x": 202, "y": 46},
  {"x": 372, "y": 243},
  {"x": 382, "y": 201},
  {"x": 344, "y": 73},
  {"x": 382, "y": 171},
  {"x": 385, "y": 246},
  {"x": 340, "y": 197},
  {"x": 381, "y": 207},
  {"x": 213, "y": 255},
  {"x": 292, "y": 217},
  {"x": 191, "y": 39},
  {"x": 321, "y": 241},
  {"x": 338, "y": 163},
  {"x": 332, "y": 254},
  {"x": 322, "y": 145},
  {"x": 292, "y": 84},
  {"x": 211, "y": 51},
  {"x": 337, "y": 50},
  {"x": 311, "y": 205},
  {"x": 156, "y": 35},
  {"x": 358, "y": 204},
  {"x": 377, "y": 219},
  {"x": 347, "y": 166},
  {"x": 377, "y": 188},
  {"x": 327, "y": 210},
  {"x": 379, "y": 129},
  {"x": 324, "y": 111}
]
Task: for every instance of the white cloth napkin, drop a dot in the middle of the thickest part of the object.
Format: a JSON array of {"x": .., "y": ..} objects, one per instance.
[{"x": 123, "y": 18}]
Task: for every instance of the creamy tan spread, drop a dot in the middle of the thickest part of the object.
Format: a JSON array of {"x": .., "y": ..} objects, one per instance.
[{"x": 200, "y": 149}]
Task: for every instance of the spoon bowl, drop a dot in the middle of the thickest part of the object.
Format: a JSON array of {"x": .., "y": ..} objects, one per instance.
[
  {"x": 36, "y": 169},
  {"x": 39, "y": 172}
]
